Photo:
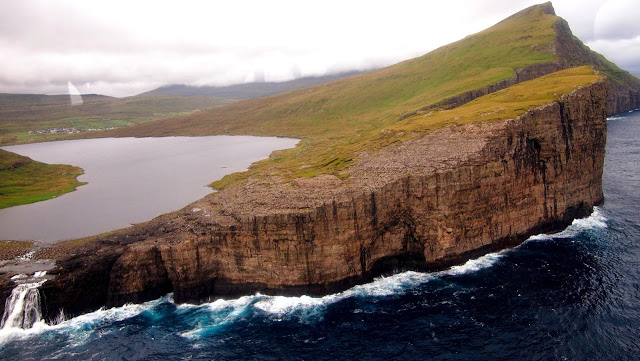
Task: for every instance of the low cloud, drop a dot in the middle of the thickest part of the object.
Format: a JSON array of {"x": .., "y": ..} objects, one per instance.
[
  {"x": 624, "y": 52},
  {"x": 123, "y": 48}
]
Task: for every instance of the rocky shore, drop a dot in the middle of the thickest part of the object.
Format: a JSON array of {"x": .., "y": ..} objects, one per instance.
[
  {"x": 424, "y": 204},
  {"x": 421, "y": 200}
]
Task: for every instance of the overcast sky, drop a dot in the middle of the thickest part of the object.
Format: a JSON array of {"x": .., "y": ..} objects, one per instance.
[{"x": 122, "y": 48}]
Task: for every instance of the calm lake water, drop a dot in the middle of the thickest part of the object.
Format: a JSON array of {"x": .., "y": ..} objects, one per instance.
[
  {"x": 130, "y": 180},
  {"x": 573, "y": 295}
]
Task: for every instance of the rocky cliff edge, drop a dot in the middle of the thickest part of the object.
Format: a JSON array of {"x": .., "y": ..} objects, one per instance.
[{"x": 424, "y": 204}]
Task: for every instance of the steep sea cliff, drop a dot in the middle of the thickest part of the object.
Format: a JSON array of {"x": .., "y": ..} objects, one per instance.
[
  {"x": 430, "y": 181},
  {"x": 571, "y": 295},
  {"x": 483, "y": 187}
]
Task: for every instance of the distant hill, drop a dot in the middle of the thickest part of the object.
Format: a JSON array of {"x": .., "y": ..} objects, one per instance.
[
  {"x": 45, "y": 114},
  {"x": 248, "y": 90}
]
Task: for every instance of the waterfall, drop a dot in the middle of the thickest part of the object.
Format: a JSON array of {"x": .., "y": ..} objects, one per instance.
[{"x": 22, "y": 308}]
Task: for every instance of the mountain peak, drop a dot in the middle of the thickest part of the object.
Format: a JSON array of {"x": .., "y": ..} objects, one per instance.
[
  {"x": 547, "y": 8},
  {"x": 539, "y": 9}
]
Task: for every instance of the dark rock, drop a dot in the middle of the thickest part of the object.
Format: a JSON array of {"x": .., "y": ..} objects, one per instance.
[{"x": 534, "y": 174}]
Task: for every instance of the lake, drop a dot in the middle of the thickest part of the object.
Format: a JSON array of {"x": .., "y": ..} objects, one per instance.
[
  {"x": 573, "y": 295},
  {"x": 130, "y": 180}
]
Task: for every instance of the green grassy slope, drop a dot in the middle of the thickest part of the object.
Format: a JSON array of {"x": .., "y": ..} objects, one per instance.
[
  {"x": 319, "y": 155},
  {"x": 23, "y": 180},
  {"x": 21, "y": 113},
  {"x": 372, "y": 100},
  {"x": 339, "y": 119}
]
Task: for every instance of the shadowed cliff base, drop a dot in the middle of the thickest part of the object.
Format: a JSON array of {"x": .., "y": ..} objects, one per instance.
[
  {"x": 467, "y": 190},
  {"x": 369, "y": 190}
]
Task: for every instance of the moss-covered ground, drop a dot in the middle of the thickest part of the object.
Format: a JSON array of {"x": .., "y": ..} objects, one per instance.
[{"x": 23, "y": 180}]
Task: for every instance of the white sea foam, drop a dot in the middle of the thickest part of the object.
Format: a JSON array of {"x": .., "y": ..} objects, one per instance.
[
  {"x": 307, "y": 306},
  {"x": 80, "y": 328},
  {"x": 596, "y": 220},
  {"x": 222, "y": 312},
  {"x": 302, "y": 307},
  {"x": 219, "y": 312},
  {"x": 477, "y": 264},
  {"x": 281, "y": 305}
]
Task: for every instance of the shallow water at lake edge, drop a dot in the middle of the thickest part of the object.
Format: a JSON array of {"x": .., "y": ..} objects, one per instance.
[{"x": 130, "y": 180}]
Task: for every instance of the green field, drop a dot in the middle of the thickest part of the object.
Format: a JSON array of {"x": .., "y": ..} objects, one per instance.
[
  {"x": 338, "y": 120},
  {"x": 23, "y": 180},
  {"x": 23, "y": 115}
]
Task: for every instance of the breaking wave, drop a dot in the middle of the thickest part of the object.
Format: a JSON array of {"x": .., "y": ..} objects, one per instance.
[
  {"x": 205, "y": 319},
  {"x": 596, "y": 220}
]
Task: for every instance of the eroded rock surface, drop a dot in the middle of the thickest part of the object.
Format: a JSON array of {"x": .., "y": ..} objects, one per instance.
[{"x": 424, "y": 204}]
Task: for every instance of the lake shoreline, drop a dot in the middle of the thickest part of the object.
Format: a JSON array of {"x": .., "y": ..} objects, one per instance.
[{"x": 126, "y": 177}]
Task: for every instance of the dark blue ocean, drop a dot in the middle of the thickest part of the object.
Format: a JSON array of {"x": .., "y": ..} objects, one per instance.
[{"x": 574, "y": 295}]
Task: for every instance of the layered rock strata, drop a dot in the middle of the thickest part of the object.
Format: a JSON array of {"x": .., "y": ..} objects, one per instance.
[{"x": 425, "y": 204}]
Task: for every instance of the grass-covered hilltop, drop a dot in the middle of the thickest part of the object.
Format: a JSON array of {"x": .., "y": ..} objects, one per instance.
[
  {"x": 338, "y": 120},
  {"x": 363, "y": 113},
  {"x": 470, "y": 148}
]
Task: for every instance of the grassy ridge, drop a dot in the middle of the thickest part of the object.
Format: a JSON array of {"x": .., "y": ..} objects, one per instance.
[
  {"x": 307, "y": 160},
  {"x": 247, "y": 90},
  {"x": 21, "y": 113},
  {"x": 23, "y": 180},
  {"x": 339, "y": 119},
  {"x": 378, "y": 98}
]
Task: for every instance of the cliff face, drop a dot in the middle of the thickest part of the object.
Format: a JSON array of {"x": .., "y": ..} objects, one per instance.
[
  {"x": 482, "y": 188},
  {"x": 414, "y": 199}
]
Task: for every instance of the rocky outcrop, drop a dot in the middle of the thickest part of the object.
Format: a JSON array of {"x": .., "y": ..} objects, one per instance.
[{"x": 450, "y": 195}]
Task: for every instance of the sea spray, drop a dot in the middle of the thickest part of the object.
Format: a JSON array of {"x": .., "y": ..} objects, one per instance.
[
  {"x": 204, "y": 321},
  {"x": 596, "y": 220}
]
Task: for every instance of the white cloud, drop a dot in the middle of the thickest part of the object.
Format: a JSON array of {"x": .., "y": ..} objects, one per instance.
[
  {"x": 624, "y": 52},
  {"x": 618, "y": 19},
  {"x": 126, "y": 47}
]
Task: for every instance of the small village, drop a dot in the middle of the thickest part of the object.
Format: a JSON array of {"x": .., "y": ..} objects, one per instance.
[
  {"x": 66, "y": 130},
  {"x": 55, "y": 131}
]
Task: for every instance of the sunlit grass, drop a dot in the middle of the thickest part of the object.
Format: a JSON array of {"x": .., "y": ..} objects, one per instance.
[
  {"x": 23, "y": 180},
  {"x": 321, "y": 155}
]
